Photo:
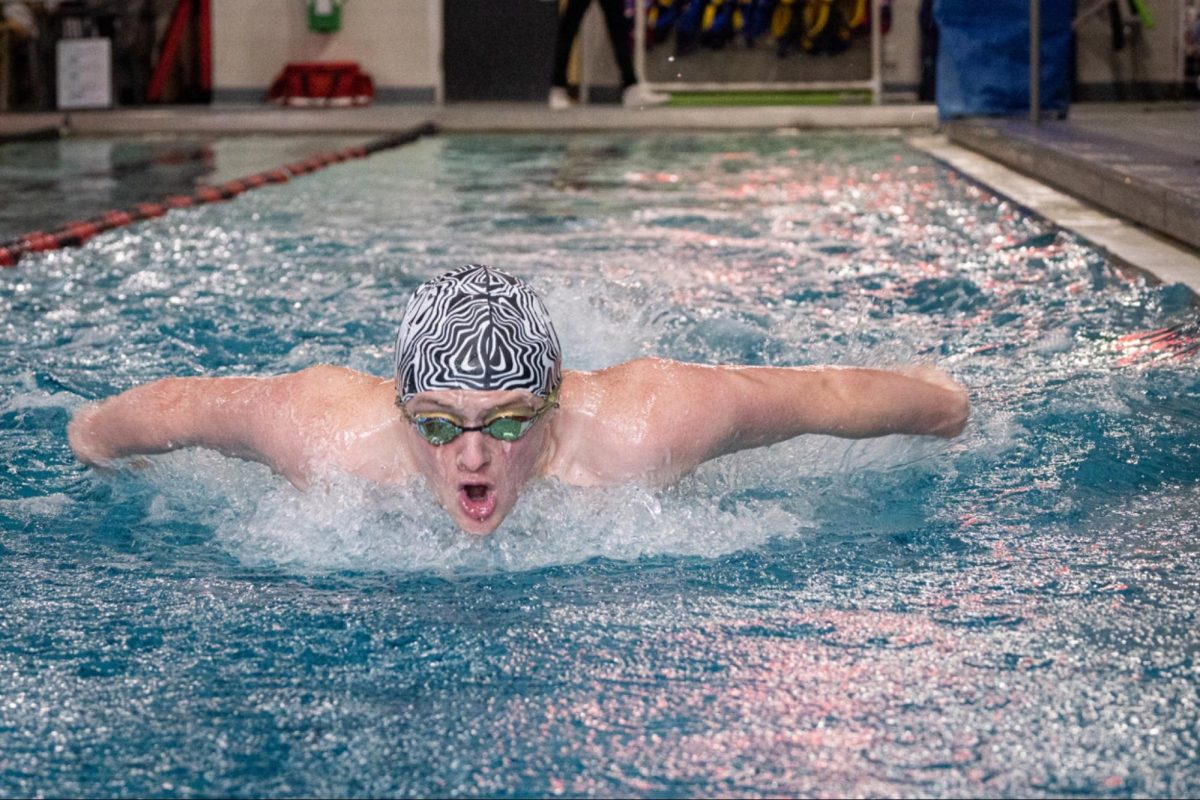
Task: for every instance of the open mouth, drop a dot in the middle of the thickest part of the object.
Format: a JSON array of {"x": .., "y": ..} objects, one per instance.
[{"x": 477, "y": 500}]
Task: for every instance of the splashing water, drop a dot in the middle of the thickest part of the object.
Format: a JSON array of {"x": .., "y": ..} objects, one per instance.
[{"x": 1009, "y": 613}]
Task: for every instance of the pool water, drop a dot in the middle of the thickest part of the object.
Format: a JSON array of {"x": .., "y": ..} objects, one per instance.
[
  {"x": 47, "y": 184},
  {"x": 1010, "y": 613}
]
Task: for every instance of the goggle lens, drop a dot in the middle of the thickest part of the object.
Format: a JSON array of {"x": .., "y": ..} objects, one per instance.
[
  {"x": 508, "y": 429},
  {"x": 437, "y": 430},
  {"x": 440, "y": 430}
]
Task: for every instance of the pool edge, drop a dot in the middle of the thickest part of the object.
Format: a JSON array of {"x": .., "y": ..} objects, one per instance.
[{"x": 1127, "y": 243}]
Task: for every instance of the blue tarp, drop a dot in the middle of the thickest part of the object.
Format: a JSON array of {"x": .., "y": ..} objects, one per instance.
[{"x": 983, "y": 56}]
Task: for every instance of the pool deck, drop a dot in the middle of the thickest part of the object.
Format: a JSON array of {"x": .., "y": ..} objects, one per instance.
[
  {"x": 1141, "y": 162},
  {"x": 1126, "y": 176},
  {"x": 1130, "y": 244},
  {"x": 466, "y": 117}
]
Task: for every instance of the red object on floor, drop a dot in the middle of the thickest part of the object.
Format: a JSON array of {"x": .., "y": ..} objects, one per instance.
[{"x": 322, "y": 83}]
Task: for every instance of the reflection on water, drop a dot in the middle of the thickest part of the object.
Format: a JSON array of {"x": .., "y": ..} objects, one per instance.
[
  {"x": 1009, "y": 613},
  {"x": 50, "y": 183}
]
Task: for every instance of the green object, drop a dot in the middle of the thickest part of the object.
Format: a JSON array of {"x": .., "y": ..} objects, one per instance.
[
  {"x": 694, "y": 99},
  {"x": 325, "y": 16},
  {"x": 440, "y": 429},
  {"x": 1143, "y": 13}
]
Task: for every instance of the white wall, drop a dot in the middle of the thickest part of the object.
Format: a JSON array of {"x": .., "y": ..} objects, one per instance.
[
  {"x": 398, "y": 43},
  {"x": 392, "y": 40},
  {"x": 902, "y": 46},
  {"x": 1156, "y": 59}
]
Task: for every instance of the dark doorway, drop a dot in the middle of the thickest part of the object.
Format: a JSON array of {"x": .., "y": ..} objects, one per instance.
[{"x": 498, "y": 49}]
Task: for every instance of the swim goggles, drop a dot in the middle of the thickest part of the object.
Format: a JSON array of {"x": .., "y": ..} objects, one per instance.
[{"x": 440, "y": 429}]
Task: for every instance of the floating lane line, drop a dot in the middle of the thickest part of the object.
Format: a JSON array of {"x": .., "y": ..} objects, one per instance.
[{"x": 77, "y": 233}]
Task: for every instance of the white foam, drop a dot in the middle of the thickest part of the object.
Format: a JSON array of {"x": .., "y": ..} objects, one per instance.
[
  {"x": 28, "y": 508},
  {"x": 33, "y": 397},
  {"x": 604, "y": 325},
  {"x": 736, "y": 503},
  {"x": 354, "y": 525},
  {"x": 203, "y": 485}
]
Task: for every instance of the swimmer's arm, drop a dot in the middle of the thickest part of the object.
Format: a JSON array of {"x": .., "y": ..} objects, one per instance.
[
  {"x": 771, "y": 404},
  {"x": 694, "y": 412},
  {"x": 234, "y": 416}
]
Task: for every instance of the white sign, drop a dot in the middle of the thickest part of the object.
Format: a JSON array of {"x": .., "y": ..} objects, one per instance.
[{"x": 84, "y": 73}]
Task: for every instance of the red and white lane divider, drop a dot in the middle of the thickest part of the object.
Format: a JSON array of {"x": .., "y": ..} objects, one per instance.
[{"x": 74, "y": 234}]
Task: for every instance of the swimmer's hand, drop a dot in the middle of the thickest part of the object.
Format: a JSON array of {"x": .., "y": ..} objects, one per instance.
[
  {"x": 955, "y": 394},
  {"x": 85, "y": 440}
]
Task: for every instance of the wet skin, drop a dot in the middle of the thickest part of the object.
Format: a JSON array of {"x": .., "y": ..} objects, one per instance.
[
  {"x": 475, "y": 477},
  {"x": 648, "y": 420}
]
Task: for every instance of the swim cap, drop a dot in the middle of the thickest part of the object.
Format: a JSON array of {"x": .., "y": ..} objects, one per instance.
[{"x": 476, "y": 328}]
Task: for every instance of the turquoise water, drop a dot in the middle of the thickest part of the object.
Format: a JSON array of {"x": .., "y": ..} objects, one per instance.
[{"x": 1010, "y": 613}]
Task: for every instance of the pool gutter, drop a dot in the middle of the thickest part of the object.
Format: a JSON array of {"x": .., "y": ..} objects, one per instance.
[{"x": 1141, "y": 167}]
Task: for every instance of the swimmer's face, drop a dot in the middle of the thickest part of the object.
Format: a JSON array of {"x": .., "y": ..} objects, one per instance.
[{"x": 475, "y": 477}]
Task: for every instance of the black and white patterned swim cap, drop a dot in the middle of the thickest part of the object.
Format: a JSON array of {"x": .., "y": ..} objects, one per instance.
[{"x": 476, "y": 328}]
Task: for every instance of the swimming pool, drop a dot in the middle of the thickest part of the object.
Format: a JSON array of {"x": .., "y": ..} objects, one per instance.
[{"x": 1011, "y": 613}]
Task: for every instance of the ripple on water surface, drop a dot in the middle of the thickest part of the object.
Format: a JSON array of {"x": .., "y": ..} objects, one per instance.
[{"x": 1011, "y": 613}]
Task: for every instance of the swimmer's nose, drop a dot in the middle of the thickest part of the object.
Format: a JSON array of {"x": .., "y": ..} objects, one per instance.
[{"x": 473, "y": 454}]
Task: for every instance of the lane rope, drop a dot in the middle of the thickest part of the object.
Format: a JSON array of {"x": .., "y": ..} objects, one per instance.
[{"x": 77, "y": 233}]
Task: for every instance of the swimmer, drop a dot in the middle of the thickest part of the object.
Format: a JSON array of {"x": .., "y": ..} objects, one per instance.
[{"x": 479, "y": 405}]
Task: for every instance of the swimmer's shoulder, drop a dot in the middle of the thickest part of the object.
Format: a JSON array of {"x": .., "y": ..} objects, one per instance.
[
  {"x": 331, "y": 377},
  {"x": 627, "y": 388},
  {"x": 334, "y": 419},
  {"x": 607, "y": 430},
  {"x": 325, "y": 390},
  {"x": 633, "y": 378}
]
